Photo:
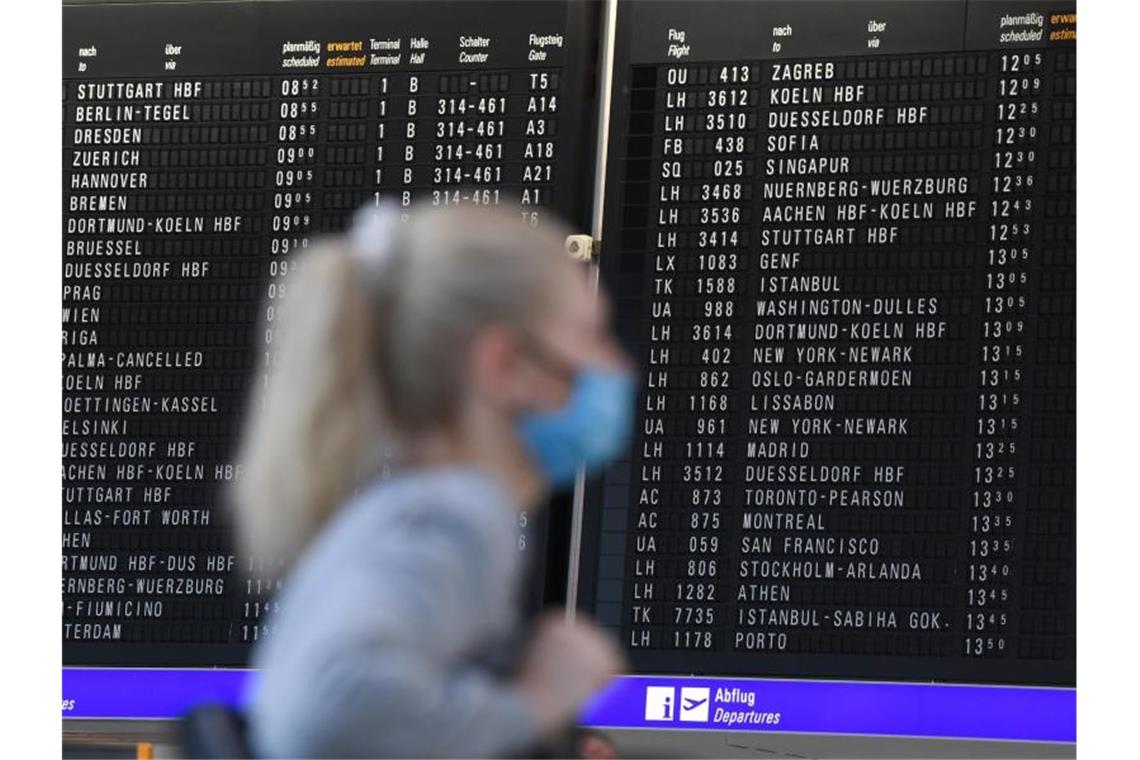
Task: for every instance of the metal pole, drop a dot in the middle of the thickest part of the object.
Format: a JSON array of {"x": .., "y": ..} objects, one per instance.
[{"x": 605, "y": 88}]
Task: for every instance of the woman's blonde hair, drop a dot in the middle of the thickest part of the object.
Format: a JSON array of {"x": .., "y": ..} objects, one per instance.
[{"x": 371, "y": 348}]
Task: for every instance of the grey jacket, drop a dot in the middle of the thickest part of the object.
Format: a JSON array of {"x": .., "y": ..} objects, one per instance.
[{"x": 383, "y": 622}]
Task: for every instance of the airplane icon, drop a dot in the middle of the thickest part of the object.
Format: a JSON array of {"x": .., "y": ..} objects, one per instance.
[{"x": 694, "y": 704}]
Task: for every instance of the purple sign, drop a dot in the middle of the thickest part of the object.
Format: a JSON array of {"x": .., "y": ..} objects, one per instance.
[
  {"x": 736, "y": 704},
  {"x": 838, "y": 707},
  {"x": 145, "y": 693}
]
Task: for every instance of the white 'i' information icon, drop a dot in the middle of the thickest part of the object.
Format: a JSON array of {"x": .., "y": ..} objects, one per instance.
[{"x": 660, "y": 703}]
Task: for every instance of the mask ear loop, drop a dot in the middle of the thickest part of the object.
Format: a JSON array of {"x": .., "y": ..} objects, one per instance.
[{"x": 546, "y": 358}]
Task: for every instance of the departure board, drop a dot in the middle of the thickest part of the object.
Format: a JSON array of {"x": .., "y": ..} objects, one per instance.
[
  {"x": 205, "y": 143},
  {"x": 840, "y": 241}
]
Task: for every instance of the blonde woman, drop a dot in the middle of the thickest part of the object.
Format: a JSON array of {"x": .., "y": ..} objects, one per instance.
[{"x": 462, "y": 355}]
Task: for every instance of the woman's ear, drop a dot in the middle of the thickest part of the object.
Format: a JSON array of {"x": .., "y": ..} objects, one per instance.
[{"x": 498, "y": 373}]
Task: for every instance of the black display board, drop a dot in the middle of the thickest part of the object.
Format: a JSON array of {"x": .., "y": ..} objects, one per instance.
[
  {"x": 840, "y": 240},
  {"x": 203, "y": 144}
]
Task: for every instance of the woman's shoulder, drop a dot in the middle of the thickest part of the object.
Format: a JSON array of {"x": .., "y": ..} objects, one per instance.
[
  {"x": 413, "y": 512},
  {"x": 390, "y": 545},
  {"x": 462, "y": 498}
]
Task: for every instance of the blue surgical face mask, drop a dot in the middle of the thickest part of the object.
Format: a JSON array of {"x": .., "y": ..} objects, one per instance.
[{"x": 592, "y": 428}]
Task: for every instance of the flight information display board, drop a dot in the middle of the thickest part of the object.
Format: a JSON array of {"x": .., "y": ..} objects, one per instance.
[
  {"x": 203, "y": 144},
  {"x": 840, "y": 240}
]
